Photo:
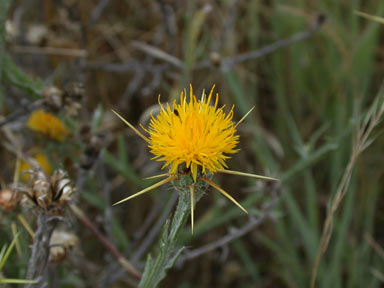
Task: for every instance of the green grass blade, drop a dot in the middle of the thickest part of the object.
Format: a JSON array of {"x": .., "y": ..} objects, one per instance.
[
  {"x": 8, "y": 252},
  {"x": 4, "y": 7}
]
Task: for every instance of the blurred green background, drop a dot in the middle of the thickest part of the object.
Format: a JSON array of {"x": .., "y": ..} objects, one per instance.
[{"x": 309, "y": 97}]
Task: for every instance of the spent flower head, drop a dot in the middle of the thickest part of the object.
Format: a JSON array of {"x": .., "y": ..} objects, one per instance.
[{"x": 193, "y": 138}]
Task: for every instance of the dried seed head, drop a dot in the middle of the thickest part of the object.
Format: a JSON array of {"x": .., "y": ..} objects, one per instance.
[
  {"x": 61, "y": 185},
  {"x": 8, "y": 199},
  {"x": 93, "y": 144},
  {"x": 51, "y": 193},
  {"x": 53, "y": 97},
  {"x": 69, "y": 99},
  {"x": 215, "y": 58},
  {"x": 61, "y": 243},
  {"x": 75, "y": 91},
  {"x": 73, "y": 96},
  {"x": 41, "y": 193}
]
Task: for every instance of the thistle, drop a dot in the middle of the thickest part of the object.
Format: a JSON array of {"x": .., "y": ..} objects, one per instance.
[{"x": 194, "y": 139}]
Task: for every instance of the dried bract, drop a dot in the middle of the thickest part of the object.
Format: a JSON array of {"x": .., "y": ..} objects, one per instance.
[
  {"x": 8, "y": 199},
  {"x": 60, "y": 245},
  {"x": 68, "y": 99},
  {"x": 50, "y": 193}
]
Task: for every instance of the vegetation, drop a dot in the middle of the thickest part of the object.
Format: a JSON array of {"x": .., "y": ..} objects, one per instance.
[{"x": 312, "y": 70}]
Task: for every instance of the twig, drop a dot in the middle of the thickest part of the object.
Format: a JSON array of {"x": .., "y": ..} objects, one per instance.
[
  {"x": 40, "y": 250},
  {"x": 228, "y": 62},
  {"x": 106, "y": 243},
  {"x": 148, "y": 221},
  {"x": 228, "y": 25},
  {"x": 360, "y": 143},
  {"x": 225, "y": 64},
  {"x": 107, "y": 197},
  {"x": 376, "y": 246},
  {"x": 113, "y": 67},
  {"x": 81, "y": 53},
  {"x": 158, "y": 53},
  {"x": 20, "y": 113},
  {"x": 97, "y": 11},
  {"x": 151, "y": 237},
  {"x": 232, "y": 235},
  {"x": 169, "y": 22}
]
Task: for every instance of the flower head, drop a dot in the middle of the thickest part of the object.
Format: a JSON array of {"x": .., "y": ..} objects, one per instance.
[
  {"x": 198, "y": 137},
  {"x": 193, "y": 133},
  {"x": 48, "y": 124}
]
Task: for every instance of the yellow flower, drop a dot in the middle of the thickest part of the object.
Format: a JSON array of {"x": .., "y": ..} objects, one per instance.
[
  {"x": 195, "y": 135},
  {"x": 48, "y": 124}
]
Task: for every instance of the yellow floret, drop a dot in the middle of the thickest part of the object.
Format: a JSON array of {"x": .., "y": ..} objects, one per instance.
[{"x": 194, "y": 133}]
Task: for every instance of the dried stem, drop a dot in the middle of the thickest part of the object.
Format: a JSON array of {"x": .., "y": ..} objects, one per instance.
[
  {"x": 360, "y": 142},
  {"x": 50, "y": 51},
  {"x": 40, "y": 250},
  {"x": 147, "y": 241},
  {"x": 22, "y": 112},
  {"x": 106, "y": 243},
  {"x": 151, "y": 237},
  {"x": 230, "y": 61},
  {"x": 235, "y": 233}
]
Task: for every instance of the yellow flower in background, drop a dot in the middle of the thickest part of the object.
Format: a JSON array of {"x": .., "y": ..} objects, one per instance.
[
  {"x": 41, "y": 159},
  {"x": 196, "y": 136},
  {"x": 48, "y": 124}
]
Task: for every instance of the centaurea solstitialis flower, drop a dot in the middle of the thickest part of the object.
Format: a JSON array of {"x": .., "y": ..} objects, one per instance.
[{"x": 193, "y": 138}]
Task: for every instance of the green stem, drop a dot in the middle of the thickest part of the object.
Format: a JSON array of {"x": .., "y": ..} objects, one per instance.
[{"x": 156, "y": 269}]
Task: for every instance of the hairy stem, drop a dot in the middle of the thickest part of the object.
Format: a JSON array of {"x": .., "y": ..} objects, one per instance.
[
  {"x": 40, "y": 250},
  {"x": 155, "y": 269}
]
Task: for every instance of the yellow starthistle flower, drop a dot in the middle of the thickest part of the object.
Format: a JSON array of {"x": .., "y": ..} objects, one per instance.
[
  {"x": 47, "y": 124},
  {"x": 195, "y": 135}
]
